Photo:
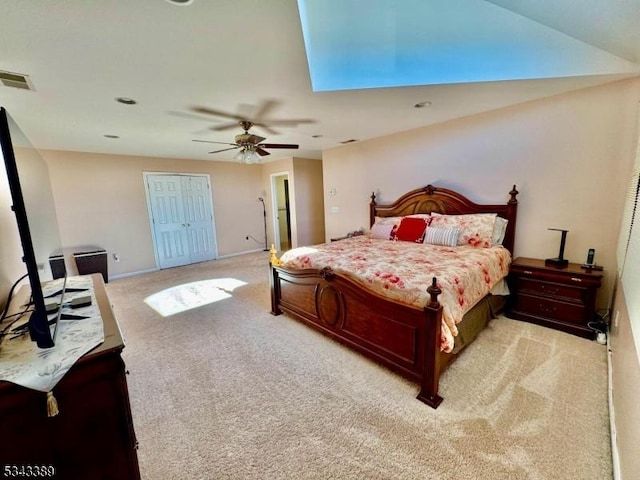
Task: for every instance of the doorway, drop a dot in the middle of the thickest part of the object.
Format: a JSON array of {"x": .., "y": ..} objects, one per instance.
[
  {"x": 282, "y": 210},
  {"x": 181, "y": 218}
]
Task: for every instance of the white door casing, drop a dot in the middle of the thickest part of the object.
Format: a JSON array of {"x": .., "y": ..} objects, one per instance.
[{"x": 181, "y": 218}]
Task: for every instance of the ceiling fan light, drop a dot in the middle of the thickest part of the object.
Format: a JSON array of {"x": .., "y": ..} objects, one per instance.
[
  {"x": 252, "y": 157},
  {"x": 247, "y": 155}
]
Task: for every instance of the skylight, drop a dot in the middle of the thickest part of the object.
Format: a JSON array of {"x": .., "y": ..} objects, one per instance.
[{"x": 392, "y": 43}]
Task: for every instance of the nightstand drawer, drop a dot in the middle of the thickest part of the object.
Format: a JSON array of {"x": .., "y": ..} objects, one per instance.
[
  {"x": 550, "y": 289},
  {"x": 551, "y": 309}
]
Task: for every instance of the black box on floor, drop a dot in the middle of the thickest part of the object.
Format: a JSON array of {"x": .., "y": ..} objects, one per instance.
[
  {"x": 93, "y": 260},
  {"x": 58, "y": 268}
]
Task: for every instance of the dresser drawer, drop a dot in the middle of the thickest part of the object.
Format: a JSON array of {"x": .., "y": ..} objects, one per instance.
[
  {"x": 551, "y": 289},
  {"x": 551, "y": 309}
]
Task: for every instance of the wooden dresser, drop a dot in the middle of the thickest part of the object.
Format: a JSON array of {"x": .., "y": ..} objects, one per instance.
[
  {"x": 92, "y": 437},
  {"x": 560, "y": 298}
]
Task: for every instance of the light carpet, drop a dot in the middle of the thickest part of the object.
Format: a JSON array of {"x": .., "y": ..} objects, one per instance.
[{"x": 228, "y": 391}]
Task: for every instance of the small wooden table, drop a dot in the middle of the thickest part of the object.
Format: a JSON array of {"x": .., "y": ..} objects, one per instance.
[{"x": 560, "y": 298}]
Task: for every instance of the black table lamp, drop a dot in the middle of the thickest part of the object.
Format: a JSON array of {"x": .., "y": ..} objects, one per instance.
[{"x": 560, "y": 261}]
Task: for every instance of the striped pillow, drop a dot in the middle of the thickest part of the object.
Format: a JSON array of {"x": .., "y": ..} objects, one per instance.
[{"x": 447, "y": 237}]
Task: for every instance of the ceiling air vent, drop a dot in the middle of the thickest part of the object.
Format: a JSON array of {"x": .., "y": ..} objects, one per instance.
[
  {"x": 349, "y": 141},
  {"x": 16, "y": 80}
]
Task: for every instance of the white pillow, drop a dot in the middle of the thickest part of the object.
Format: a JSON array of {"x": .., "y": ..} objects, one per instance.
[
  {"x": 388, "y": 220},
  {"x": 447, "y": 237},
  {"x": 381, "y": 231},
  {"x": 499, "y": 229}
]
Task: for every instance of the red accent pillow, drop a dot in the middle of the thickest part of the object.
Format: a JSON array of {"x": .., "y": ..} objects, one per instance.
[{"x": 412, "y": 229}]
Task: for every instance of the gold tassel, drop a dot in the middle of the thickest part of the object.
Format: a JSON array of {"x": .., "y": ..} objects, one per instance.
[{"x": 52, "y": 405}]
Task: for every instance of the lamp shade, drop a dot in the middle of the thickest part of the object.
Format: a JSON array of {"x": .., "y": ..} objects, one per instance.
[{"x": 247, "y": 155}]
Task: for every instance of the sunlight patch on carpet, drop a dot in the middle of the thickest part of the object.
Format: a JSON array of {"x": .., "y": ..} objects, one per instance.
[{"x": 192, "y": 295}]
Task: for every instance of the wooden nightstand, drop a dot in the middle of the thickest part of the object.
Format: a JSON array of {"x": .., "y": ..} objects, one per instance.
[{"x": 560, "y": 298}]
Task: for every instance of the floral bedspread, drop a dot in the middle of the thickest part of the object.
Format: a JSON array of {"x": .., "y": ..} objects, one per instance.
[{"x": 403, "y": 271}]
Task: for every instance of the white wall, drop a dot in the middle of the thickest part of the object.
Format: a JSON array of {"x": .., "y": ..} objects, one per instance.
[{"x": 563, "y": 153}]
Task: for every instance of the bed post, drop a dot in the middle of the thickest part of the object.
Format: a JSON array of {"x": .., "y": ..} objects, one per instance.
[
  {"x": 512, "y": 214},
  {"x": 274, "y": 282},
  {"x": 431, "y": 354},
  {"x": 372, "y": 209}
]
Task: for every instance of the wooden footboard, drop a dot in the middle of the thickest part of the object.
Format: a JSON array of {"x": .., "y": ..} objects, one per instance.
[{"x": 400, "y": 337}]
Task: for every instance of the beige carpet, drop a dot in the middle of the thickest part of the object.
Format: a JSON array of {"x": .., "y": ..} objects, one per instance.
[{"x": 228, "y": 391}]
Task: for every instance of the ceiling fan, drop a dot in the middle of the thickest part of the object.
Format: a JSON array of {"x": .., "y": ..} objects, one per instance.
[
  {"x": 251, "y": 148},
  {"x": 259, "y": 118}
]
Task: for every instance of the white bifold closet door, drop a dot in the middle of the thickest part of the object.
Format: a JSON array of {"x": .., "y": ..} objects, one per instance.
[{"x": 181, "y": 219}]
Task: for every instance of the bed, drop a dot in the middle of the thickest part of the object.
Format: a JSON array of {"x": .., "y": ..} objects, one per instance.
[{"x": 405, "y": 336}]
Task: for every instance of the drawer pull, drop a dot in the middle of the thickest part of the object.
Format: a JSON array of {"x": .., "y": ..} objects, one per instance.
[
  {"x": 527, "y": 272},
  {"x": 549, "y": 290},
  {"x": 576, "y": 279},
  {"x": 547, "y": 310}
]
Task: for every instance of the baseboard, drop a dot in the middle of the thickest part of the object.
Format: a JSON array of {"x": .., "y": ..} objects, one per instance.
[
  {"x": 615, "y": 458},
  {"x": 242, "y": 253},
  {"x": 131, "y": 274}
]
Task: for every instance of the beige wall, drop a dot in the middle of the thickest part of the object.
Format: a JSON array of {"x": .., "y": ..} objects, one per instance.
[
  {"x": 101, "y": 200},
  {"x": 562, "y": 153},
  {"x": 11, "y": 266},
  {"x": 309, "y": 201},
  {"x": 626, "y": 388}
]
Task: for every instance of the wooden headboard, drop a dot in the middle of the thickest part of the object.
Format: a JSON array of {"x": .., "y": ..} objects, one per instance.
[{"x": 441, "y": 200}]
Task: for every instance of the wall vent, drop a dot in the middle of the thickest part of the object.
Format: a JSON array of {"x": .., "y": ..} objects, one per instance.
[{"x": 16, "y": 80}]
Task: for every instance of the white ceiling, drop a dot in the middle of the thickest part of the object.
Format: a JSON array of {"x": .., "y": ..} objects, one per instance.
[{"x": 235, "y": 55}]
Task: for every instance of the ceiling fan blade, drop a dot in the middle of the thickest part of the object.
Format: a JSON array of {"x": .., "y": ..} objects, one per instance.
[
  {"x": 277, "y": 145},
  {"x": 290, "y": 122},
  {"x": 189, "y": 115},
  {"x": 225, "y": 149},
  {"x": 225, "y": 126},
  {"x": 261, "y": 152},
  {"x": 217, "y": 113},
  {"x": 266, "y": 108},
  {"x": 221, "y": 143}
]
